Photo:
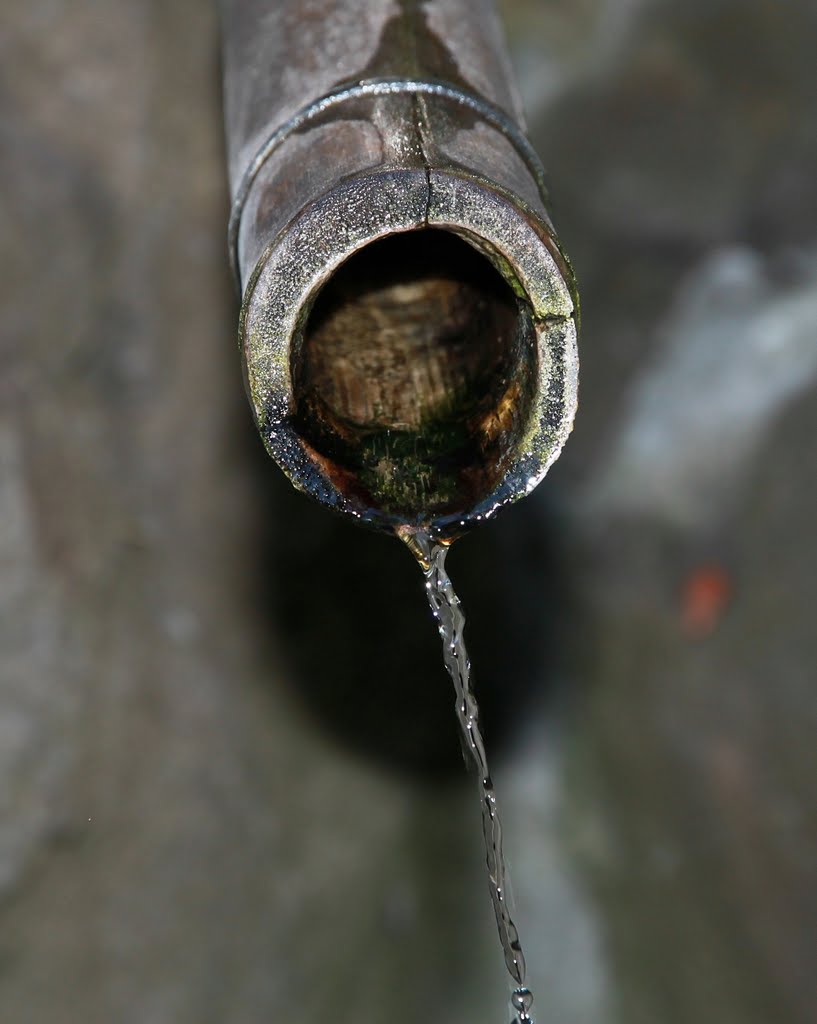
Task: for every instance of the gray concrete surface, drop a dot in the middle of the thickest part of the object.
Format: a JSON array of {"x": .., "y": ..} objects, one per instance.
[{"x": 229, "y": 778}]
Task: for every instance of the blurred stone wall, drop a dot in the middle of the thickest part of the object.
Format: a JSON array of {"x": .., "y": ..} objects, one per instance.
[
  {"x": 683, "y": 155},
  {"x": 229, "y": 777}
]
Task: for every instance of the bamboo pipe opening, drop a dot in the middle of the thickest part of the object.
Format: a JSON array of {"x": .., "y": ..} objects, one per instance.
[{"x": 414, "y": 374}]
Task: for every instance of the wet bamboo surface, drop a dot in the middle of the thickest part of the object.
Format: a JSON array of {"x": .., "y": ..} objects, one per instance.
[{"x": 230, "y": 787}]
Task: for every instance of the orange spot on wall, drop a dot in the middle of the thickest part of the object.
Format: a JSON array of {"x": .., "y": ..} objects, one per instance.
[{"x": 705, "y": 597}]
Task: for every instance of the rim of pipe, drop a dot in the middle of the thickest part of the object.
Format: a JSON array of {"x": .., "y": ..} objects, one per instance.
[{"x": 363, "y": 209}]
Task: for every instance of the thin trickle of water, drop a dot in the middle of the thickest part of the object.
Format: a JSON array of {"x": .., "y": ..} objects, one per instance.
[{"x": 446, "y": 608}]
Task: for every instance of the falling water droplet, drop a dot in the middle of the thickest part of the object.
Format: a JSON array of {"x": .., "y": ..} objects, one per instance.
[{"x": 522, "y": 999}]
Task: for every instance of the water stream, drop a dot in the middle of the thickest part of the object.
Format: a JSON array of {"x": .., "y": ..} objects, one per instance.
[{"x": 446, "y": 608}]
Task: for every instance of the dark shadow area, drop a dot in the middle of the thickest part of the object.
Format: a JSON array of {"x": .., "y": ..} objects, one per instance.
[{"x": 348, "y": 612}]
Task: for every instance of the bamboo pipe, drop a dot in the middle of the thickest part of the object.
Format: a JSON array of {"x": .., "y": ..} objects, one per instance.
[{"x": 408, "y": 320}]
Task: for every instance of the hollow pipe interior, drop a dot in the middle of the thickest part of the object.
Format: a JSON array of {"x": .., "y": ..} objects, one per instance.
[{"x": 413, "y": 373}]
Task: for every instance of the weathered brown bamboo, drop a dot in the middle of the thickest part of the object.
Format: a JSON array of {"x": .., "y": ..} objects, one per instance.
[{"x": 408, "y": 321}]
